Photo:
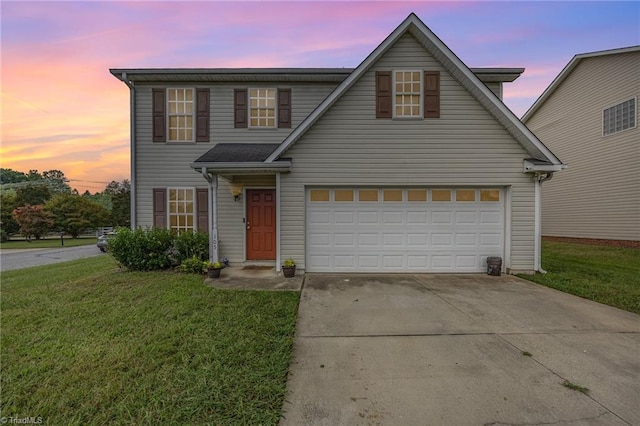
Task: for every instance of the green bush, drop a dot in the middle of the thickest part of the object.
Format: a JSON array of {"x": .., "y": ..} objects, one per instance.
[
  {"x": 156, "y": 248},
  {"x": 193, "y": 265},
  {"x": 190, "y": 244},
  {"x": 142, "y": 250}
]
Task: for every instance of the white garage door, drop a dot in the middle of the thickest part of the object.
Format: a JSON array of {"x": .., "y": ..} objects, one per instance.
[{"x": 403, "y": 230}]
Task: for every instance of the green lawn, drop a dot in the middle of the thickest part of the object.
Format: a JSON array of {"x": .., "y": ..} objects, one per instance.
[
  {"x": 47, "y": 243},
  {"x": 609, "y": 275},
  {"x": 84, "y": 343}
]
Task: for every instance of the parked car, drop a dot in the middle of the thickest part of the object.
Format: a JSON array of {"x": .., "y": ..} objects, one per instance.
[{"x": 103, "y": 241}]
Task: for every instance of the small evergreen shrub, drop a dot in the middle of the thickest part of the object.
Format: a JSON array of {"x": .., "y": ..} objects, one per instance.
[
  {"x": 142, "y": 250},
  {"x": 193, "y": 265},
  {"x": 190, "y": 244}
]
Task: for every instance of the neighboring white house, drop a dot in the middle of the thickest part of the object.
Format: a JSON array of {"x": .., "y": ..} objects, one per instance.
[
  {"x": 408, "y": 163},
  {"x": 589, "y": 117}
]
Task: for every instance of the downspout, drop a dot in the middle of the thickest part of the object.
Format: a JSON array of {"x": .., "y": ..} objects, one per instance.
[
  {"x": 132, "y": 136},
  {"x": 539, "y": 178},
  {"x": 213, "y": 214}
]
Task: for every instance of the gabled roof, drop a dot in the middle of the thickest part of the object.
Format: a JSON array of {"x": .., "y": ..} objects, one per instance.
[
  {"x": 575, "y": 61},
  {"x": 454, "y": 66}
]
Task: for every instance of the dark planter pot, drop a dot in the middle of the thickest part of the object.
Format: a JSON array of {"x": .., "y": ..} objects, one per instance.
[
  {"x": 213, "y": 272},
  {"x": 289, "y": 272}
]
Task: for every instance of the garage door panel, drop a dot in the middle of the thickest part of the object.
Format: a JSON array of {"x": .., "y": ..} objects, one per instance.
[
  {"x": 344, "y": 218},
  {"x": 393, "y": 240},
  {"x": 411, "y": 236},
  {"x": 343, "y": 240}
]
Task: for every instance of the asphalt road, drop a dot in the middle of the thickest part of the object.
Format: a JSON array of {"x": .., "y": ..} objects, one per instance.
[{"x": 19, "y": 259}]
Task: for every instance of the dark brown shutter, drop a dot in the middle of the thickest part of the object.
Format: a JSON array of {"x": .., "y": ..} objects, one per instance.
[
  {"x": 284, "y": 108},
  {"x": 202, "y": 115},
  {"x": 431, "y": 94},
  {"x": 383, "y": 94},
  {"x": 159, "y": 208},
  {"x": 159, "y": 118},
  {"x": 240, "y": 107},
  {"x": 203, "y": 209}
]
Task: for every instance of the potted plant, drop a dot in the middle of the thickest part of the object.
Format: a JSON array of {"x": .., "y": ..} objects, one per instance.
[
  {"x": 289, "y": 267},
  {"x": 213, "y": 269}
]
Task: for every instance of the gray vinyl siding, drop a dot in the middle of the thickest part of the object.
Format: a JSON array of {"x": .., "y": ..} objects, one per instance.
[
  {"x": 466, "y": 146},
  {"x": 598, "y": 195},
  {"x": 160, "y": 165}
]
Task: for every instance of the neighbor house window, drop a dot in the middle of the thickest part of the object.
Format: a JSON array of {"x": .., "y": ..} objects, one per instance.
[
  {"x": 181, "y": 209},
  {"x": 408, "y": 93},
  {"x": 619, "y": 117},
  {"x": 180, "y": 114},
  {"x": 262, "y": 108}
]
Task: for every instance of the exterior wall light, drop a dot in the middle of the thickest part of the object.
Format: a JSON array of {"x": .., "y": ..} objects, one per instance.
[{"x": 236, "y": 190}]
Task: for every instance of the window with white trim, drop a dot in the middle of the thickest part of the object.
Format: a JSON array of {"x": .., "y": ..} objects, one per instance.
[
  {"x": 407, "y": 87},
  {"x": 180, "y": 113},
  {"x": 262, "y": 108},
  {"x": 619, "y": 117},
  {"x": 181, "y": 209}
]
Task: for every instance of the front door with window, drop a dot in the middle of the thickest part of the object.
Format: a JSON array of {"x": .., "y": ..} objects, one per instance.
[{"x": 261, "y": 224}]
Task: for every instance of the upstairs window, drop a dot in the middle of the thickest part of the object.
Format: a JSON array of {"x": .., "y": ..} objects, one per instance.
[
  {"x": 180, "y": 113},
  {"x": 408, "y": 93},
  {"x": 619, "y": 117},
  {"x": 262, "y": 108}
]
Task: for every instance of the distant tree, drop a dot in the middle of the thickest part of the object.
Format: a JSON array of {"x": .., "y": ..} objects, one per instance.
[
  {"x": 99, "y": 197},
  {"x": 33, "y": 194},
  {"x": 12, "y": 176},
  {"x": 33, "y": 175},
  {"x": 34, "y": 221},
  {"x": 57, "y": 181},
  {"x": 120, "y": 193},
  {"x": 8, "y": 223},
  {"x": 75, "y": 214}
]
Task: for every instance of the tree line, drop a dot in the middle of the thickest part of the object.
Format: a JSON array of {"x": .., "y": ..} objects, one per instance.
[{"x": 35, "y": 204}]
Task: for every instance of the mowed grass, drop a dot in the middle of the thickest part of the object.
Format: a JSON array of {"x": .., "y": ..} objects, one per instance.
[
  {"x": 609, "y": 275},
  {"x": 84, "y": 343},
  {"x": 47, "y": 243}
]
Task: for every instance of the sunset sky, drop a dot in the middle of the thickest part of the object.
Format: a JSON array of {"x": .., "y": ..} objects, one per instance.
[{"x": 61, "y": 109}]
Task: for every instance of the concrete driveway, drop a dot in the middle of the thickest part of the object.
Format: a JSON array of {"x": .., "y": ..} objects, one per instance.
[{"x": 459, "y": 350}]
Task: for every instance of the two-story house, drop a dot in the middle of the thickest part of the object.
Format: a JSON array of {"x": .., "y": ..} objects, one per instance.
[
  {"x": 589, "y": 116},
  {"x": 408, "y": 163}
]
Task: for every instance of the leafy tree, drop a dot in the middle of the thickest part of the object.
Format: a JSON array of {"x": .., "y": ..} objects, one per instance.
[
  {"x": 33, "y": 194},
  {"x": 7, "y": 206},
  {"x": 57, "y": 181},
  {"x": 120, "y": 193},
  {"x": 99, "y": 197},
  {"x": 11, "y": 176},
  {"x": 74, "y": 214},
  {"x": 34, "y": 221}
]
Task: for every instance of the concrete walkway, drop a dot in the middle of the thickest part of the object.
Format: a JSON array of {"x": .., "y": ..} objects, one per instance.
[{"x": 459, "y": 350}]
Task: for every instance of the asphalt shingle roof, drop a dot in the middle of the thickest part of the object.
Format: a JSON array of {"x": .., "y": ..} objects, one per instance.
[{"x": 238, "y": 153}]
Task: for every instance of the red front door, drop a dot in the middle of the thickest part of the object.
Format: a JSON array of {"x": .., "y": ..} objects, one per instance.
[{"x": 261, "y": 224}]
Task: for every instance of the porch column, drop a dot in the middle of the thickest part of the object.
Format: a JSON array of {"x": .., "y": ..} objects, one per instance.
[
  {"x": 278, "y": 263},
  {"x": 213, "y": 218}
]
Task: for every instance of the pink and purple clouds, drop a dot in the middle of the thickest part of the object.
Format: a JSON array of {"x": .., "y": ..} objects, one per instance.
[{"x": 62, "y": 109}]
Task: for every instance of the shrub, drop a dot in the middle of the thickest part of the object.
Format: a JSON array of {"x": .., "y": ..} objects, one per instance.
[
  {"x": 190, "y": 244},
  {"x": 193, "y": 265},
  {"x": 142, "y": 250}
]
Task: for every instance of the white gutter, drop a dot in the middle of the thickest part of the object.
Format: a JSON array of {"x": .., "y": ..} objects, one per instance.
[
  {"x": 529, "y": 167},
  {"x": 132, "y": 137},
  {"x": 213, "y": 215},
  {"x": 537, "y": 256},
  {"x": 244, "y": 168}
]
